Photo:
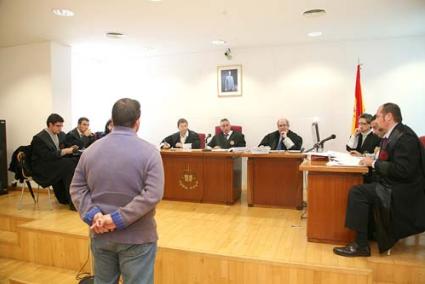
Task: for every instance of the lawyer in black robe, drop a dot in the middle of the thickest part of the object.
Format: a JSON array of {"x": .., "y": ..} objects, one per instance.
[
  {"x": 49, "y": 167},
  {"x": 397, "y": 200},
  {"x": 73, "y": 137},
  {"x": 368, "y": 146}
]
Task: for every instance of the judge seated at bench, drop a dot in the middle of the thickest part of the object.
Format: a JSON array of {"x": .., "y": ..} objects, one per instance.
[
  {"x": 80, "y": 135},
  {"x": 227, "y": 138},
  {"x": 282, "y": 138},
  {"x": 363, "y": 140},
  {"x": 52, "y": 163},
  {"x": 182, "y": 137}
]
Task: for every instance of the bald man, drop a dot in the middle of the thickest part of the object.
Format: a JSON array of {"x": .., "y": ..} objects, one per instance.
[{"x": 282, "y": 138}]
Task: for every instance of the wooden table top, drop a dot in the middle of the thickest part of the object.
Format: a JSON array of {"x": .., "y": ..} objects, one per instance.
[
  {"x": 320, "y": 166},
  {"x": 200, "y": 152}
]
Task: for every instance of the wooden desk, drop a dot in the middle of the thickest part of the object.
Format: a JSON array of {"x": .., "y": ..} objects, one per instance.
[
  {"x": 212, "y": 177},
  {"x": 274, "y": 179},
  {"x": 328, "y": 188}
]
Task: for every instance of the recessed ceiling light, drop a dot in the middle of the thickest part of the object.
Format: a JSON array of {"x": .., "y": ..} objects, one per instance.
[
  {"x": 115, "y": 35},
  {"x": 314, "y": 13},
  {"x": 218, "y": 42},
  {"x": 63, "y": 12},
  {"x": 314, "y": 34}
]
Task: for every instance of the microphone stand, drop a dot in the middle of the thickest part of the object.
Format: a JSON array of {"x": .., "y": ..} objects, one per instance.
[{"x": 316, "y": 147}]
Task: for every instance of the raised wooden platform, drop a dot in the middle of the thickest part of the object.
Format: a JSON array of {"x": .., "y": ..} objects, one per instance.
[{"x": 206, "y": 243}]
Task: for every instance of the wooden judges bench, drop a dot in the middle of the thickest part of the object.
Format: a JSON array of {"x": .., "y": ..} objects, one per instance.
[
  {"x": 197, "y": 176},
  {"x": 274, "y": 179},
  {"x": 215, "y": 177},
  {"x": 328, "y": 188}
]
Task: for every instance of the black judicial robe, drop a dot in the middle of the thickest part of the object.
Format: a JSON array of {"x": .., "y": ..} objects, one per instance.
[
  {"x": 272, "y": 139},
  {"x": 237, "y": 139},
  {"x": 401, "y": 184},
  {"x": 74, "y": 138},
  {"x": 192, "y": 138},
  {"x": 48, "y": 166},
  {"x": 371, "y": 142}
]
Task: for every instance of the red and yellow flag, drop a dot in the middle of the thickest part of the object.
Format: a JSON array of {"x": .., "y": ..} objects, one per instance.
[{"x": 358, "y": 101}]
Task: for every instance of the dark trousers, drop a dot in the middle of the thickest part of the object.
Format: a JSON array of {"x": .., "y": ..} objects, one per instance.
[
  {"x": 61, "y": 187},
  {"x": 361, "y": 200}
]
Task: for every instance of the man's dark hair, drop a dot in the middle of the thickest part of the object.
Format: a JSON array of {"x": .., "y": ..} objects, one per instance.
[
  {"x": 366, "y": 116},
  {"x": 106, "y": 126},
  {"x": 180, "y": 121},
  {"x": 373, "y": 118},
  {"x": 224, "y": 119},
  {"x": 54, "y": 118},
  {"x": 81, "y": 119},
  {"x": 394, "y": 110},
  {"x": 125, "y": 112}
]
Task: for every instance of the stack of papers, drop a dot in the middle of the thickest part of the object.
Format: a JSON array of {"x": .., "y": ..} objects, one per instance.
[
  {"x": 260, "y": 150},
  {"x": 343, "y": 159}
]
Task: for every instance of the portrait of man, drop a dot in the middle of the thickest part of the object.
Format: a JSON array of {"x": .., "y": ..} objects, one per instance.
[{"x": 229, "y": 80}]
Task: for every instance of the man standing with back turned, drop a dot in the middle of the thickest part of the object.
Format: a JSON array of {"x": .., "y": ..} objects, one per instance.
[{"x": 116, "y": 186}]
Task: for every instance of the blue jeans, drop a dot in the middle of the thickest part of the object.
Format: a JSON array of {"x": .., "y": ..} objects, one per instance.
[{"x": 134, "y": 261}]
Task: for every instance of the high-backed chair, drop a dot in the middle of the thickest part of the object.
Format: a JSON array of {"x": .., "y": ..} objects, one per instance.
[
  {"x": 422, "y": 138},
  {"x": 202, "y": 139},
  {"x": 235, "y": 128}
]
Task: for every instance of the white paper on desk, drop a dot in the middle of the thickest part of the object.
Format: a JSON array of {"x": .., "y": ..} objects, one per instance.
[
  {"x": 219, "y": 150},
  {"x": 260, "y": 150},
  {"x": 277, "y": 151},
  {"x": 343, "y": 159},
  {"x": 238, "y": 149}
]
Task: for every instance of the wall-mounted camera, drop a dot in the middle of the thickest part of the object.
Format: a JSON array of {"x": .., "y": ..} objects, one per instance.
[{"x": 228, "y": 53}]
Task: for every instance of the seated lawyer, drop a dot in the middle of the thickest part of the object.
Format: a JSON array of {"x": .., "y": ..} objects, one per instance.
[
  {"x": 80, "y": 135},
  {"x": 395, "y": 203},
  {"x": 183, "y": 136},
  {"x": 363, "y": 140},
  {"x": 51, "y": 162},
  {"x": 227, "y": 138},
  {"x": 282, "y": 138}
]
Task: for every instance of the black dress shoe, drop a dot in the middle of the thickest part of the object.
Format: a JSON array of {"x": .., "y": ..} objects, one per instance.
[{"x": 352, "y": 249}]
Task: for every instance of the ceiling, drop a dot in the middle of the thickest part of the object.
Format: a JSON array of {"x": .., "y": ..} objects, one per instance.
[{"x": 176, "y": 26}]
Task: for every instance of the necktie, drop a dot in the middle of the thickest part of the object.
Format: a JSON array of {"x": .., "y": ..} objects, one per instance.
[
  {"x": 383, "y": 154},
  {"x": 280, "y": 145}
]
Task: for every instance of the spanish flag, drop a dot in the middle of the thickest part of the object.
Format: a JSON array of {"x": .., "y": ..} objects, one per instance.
[{"x": 358, "y": 101}]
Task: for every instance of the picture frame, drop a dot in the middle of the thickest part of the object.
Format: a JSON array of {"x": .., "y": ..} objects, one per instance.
[{"x": 229, "y": 80}]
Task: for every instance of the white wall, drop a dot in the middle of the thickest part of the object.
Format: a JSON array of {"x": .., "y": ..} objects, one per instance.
[
  {"x": 28, "y": 89},
  {"x": 300, "y": 82},
  {"x": 60, "y": 61}
]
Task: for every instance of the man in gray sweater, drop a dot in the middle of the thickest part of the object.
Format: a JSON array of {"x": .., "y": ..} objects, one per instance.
[{"x": 116, "y": 186}]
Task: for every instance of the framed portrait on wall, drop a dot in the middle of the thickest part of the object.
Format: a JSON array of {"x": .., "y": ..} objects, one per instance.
[{"x": 229, "y": 80}]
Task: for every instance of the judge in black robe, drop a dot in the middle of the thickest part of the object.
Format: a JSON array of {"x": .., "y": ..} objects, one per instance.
[
  {"x": 183, "y": 136},
  {"x": 282, "y": 138},
  {"x": 227, "y": 138}
]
